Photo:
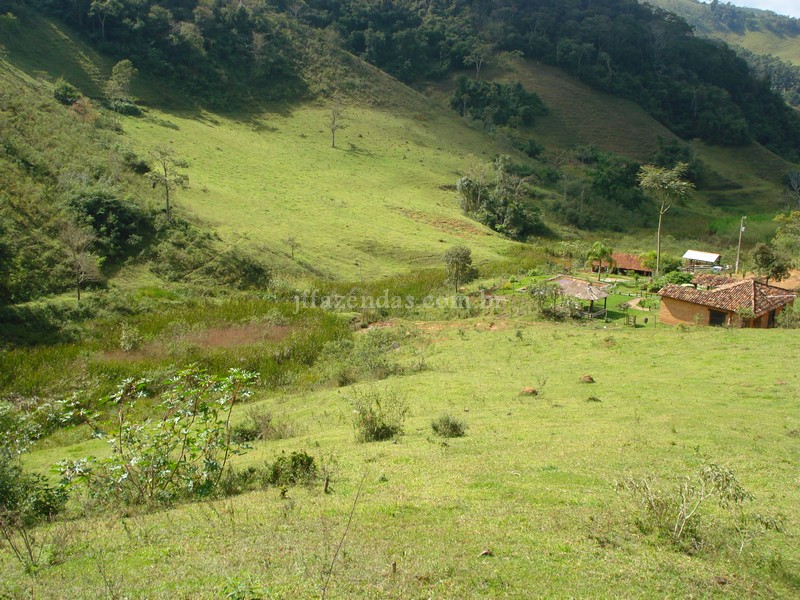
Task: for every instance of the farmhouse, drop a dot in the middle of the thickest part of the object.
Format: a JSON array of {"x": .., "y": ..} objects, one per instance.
[
  {"x": 628, "y": 263},
  {"x": 717, "y": 300}
]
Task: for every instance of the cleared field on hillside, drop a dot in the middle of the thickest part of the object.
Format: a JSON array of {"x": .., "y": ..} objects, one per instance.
[
  {"x": 374, "y": 205},
  {"x": 532, "y": 482}
]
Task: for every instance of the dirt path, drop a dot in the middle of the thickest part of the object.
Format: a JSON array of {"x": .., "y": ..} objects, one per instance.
[{"x": 635, "y": 305}]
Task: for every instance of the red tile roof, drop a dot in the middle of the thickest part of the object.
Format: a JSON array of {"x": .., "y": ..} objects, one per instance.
[
  {"x": 735, "y": 295},
  {"x": 625, "y": 262},
  {"x": 711, "y": 280}
]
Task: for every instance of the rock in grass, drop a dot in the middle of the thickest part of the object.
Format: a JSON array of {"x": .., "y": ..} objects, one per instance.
[
  {"x": 529, "y": 391},
  {"x": 587, "y": 379}
]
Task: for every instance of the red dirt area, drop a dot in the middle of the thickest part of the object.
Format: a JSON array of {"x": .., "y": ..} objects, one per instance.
[{"x": 214, "y": 337}]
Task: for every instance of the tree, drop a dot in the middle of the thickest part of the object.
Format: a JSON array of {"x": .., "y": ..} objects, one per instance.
[
  {"x": 458, "y": 266},
  {"x": 477, "y": 57},
  {"x": 473, "y": 185},
  {"x": 769, "y": 264},
  {"x": 787, "y": 238},
  {"x": 118, "y": 86},
  {"x": 665, "y": 186},
  {"x": 166, "y": 174},
  {"x": 335, "y": 124},
  {"x": 793, "y": 181},
  {"x": 84, "y": 265},
  {"x": 600, "y": 252},
  {"x": 102, "y": 9},
  {"x": 293, "y": 244}
]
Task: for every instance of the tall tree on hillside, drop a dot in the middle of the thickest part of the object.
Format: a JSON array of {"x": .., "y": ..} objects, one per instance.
[
  {"x": 84, "y": 265},
  {"x": 166, "y": 173},
  {"x": 769, "y": 264},
  {"x": 665, "y": 186},
  {"x": 118, "y": 86},
  {"x": 601, "y": 253}
]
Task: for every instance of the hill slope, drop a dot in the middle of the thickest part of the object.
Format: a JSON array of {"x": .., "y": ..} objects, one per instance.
[
  {"x": 760, "y": 31},
  {"x": 381, "y": 202}
]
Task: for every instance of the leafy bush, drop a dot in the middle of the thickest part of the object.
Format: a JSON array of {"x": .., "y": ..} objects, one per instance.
[
  {"x": 293, "y": 469},
  {"x": 120, "y": 225},
  {"x": 378, "y": 416},
  {"x": 182, "y": 453},
  {"x": 449, "y": 427},
  {"x": 66, "y": 93},
  {"x": 130, "y": 338},
  {"x": 26, "y": 499},
  {"x": 676, "y": 277}
]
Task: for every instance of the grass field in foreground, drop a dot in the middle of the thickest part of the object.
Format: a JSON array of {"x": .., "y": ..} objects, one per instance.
[{"x": 532, "y": 481}]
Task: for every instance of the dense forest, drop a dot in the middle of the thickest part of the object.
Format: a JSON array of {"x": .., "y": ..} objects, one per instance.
[{"x": 224, "y": 50}]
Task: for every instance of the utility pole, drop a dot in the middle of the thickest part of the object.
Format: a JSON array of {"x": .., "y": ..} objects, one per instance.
[{"x": 739, "y": 248}]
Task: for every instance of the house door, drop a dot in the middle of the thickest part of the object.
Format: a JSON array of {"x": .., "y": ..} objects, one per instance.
[
  {"x": 716, "y": 318},
  {"x": 771, "y": 318}
]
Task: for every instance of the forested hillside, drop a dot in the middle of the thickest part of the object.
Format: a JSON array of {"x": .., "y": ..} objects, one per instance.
[
  {"x": 770, "y": 43},
  {"x": 228, "y": 51}
]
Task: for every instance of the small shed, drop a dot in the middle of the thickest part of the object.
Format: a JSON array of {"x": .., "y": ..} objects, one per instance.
[
  {"x": 697, "y": 260},
  {"x": 580, "y": 289},
  {"x": 629, "y": 263}
]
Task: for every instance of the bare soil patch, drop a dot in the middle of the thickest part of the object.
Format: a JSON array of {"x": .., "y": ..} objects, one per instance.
[{"x": 213, "y": 337}]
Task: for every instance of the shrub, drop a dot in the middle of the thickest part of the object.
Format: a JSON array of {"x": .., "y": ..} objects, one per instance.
[
  {"x": 129, "y": 339},
  {"x": 260, "y": 425},
  {"x": 378, "y": 416},
  {"x": 293, "y": 469},
  {"x": 120, "y": 225},
  {"x": 675, "y": 512},
  {"x": 66, "y": 93},
  {"x": 676, "y": 277},
  {"x": 449, "y": 427}
]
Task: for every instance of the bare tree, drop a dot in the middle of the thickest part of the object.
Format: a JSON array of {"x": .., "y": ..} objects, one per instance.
[
  {"x": 335, "y": 124},
  {"x": 84, "y": 265},
  {"x": 167, "y": 175},
  {"x": 295, "y": 8},
  {"x": 794, "y": 186},
  {"x": 660, "y": 41}
]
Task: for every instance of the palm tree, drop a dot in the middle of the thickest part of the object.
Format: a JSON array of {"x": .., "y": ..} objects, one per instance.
[{"x": 600, "y": 252}]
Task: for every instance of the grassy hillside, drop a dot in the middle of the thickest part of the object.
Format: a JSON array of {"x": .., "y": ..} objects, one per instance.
[
  {"x": 268, "y": 176},
  {"x": 755, "y": 34},
  {"x": 532, "y": 482}
]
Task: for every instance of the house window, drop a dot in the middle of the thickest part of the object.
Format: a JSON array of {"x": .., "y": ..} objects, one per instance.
[{"x": 716, "y": 318}]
